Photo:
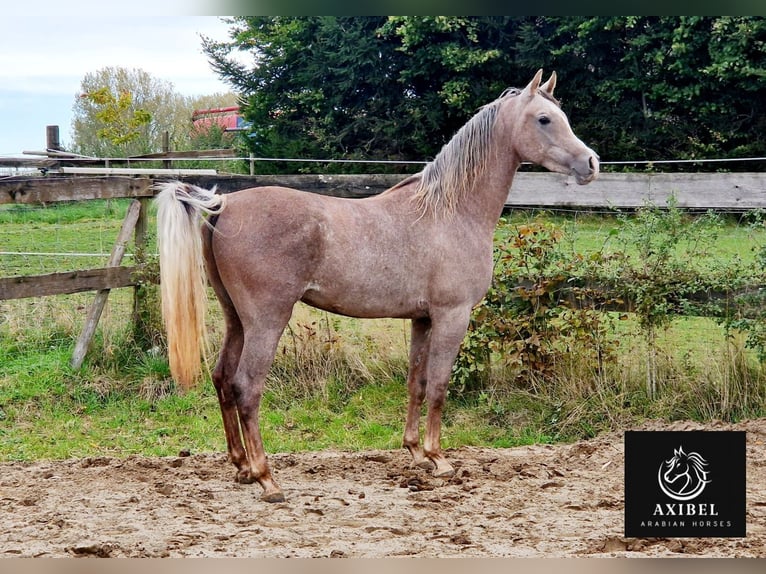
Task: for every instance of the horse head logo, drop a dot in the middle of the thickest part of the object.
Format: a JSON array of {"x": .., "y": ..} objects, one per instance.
[{"x": 683, "y": 477}]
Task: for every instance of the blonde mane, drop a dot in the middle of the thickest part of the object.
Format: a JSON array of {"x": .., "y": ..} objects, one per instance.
[{"x": 446, "y": 179}]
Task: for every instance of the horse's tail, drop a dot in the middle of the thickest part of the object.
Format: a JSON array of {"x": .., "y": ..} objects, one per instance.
[{"x": 182, "y": 273}]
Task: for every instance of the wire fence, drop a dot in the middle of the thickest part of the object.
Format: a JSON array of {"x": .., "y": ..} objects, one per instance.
[
  {"x": 37, "y": 239},
  {"x": 171, "y": 157},
  {"x": 253, "y": 159}
]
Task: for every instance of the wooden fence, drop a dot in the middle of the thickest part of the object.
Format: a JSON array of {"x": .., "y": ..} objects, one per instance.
[
  {"x": 48, "y": 190},
  {"x": 718, "y": 191},
  {"x": 723, "y": 191},
  {"x": 695, "y": 191}
]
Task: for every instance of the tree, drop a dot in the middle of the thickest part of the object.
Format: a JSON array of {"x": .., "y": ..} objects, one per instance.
[
  {"x": 317, "y": 89},
  {"x": 121, "y": 124},
  {"x": 122, "y": 112},
  {"x": 360, "y": 87},
  {"x": 670, "y": 87},
  {"x": 642, "y": 87}
]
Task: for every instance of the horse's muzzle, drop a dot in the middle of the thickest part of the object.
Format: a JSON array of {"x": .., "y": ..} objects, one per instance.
[{"x": 586, "y": 170}]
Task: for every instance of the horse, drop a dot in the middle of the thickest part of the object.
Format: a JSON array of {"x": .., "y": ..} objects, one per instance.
[
  {"x": 685, "y": 476},
  {"x": 421, "y": 250}
]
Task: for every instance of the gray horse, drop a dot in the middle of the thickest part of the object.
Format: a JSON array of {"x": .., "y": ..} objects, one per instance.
[{"x": 421, "y": 250}]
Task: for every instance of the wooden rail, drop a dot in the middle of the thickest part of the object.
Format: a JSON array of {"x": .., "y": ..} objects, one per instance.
[
  {"x": 43, "y": 190},
  {"x": 67, "y": 282},
  {"x": 723, "y": 191},
  {"x": 699, "y": 191}
]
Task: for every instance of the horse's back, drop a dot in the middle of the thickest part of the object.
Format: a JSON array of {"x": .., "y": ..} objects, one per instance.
[{"x": 345, "y": 255}]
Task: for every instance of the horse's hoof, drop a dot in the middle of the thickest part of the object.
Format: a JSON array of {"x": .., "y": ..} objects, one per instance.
[
  {"x": 244, "y": 477},
  {"x": 425, "y": 464},
  {"x": 444, "y": 473},
  {"x": 276, "y": 496}
]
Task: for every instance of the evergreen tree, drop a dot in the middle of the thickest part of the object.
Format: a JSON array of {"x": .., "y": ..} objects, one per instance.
[{"x": 643, "y": 87}]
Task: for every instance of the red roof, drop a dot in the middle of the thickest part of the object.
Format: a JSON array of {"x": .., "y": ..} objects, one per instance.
[{"x": 226, "y": 118}]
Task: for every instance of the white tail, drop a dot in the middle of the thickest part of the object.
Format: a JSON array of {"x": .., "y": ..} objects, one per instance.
[{"x": 182, "y": 273}]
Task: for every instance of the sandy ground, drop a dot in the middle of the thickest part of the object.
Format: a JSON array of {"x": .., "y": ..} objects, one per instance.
[{"x": 538, "y": 501}]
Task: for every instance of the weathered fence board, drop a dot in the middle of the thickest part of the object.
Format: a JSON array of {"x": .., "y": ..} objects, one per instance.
[
  {"x": 345, "y": 185},
  {"x": 54, "y": 189},
  {"x": 724, "y": 191},
  {"x": 67, "y": 282}
]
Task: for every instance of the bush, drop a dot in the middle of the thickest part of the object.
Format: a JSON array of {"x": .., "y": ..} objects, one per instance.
[
  {"x": 524, "y": 330},
  {"x": 543, "y": 328}
]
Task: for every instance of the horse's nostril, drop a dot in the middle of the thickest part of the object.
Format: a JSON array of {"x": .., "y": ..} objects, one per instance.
[{"x": 591, "y": 163}]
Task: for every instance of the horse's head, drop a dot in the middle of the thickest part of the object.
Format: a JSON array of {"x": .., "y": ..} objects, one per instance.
[
  {"x": 684, "y": 475},
  {"x": 542, "y": 134},
  {"x": 677, "y": 466}
]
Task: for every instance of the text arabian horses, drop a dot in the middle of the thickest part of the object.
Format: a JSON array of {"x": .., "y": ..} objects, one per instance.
[{"x": 421, "y": 250}]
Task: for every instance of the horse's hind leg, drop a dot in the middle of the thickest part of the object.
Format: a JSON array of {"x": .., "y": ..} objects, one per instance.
[
  {"x": 223, "y": 373},
  {"x": 258, "y": 350},
  {"x": 228, "y": 360},
  {"x": 416, "y": 385}
]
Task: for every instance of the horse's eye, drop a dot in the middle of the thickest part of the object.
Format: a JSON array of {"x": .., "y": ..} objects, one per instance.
[{"x": 544, "y": 120}]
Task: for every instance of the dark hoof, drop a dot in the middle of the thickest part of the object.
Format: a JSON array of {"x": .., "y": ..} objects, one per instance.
[
  {"x": 277, "y": 496},
  {"x": 425, "y": 465},
  {"x": 244, "y": 477}
]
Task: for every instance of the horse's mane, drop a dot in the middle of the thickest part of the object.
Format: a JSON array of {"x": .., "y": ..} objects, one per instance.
[
  {"x": 697, "y": 461},
  {"x": 450, "y": 175},
  {"x": 444, "y": 180},
  {"x": 693, "y": 459}
]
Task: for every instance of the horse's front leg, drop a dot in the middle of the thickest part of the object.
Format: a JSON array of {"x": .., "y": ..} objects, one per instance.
[
  {"x": 416, "y": 385},
  {"x": 447, "y": 333}
]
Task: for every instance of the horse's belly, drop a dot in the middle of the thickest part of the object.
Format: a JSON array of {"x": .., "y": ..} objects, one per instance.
[{"x": 368, "y": 304}]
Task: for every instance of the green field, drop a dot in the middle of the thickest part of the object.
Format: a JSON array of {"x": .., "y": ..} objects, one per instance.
[{"x": 337, "y": 382}]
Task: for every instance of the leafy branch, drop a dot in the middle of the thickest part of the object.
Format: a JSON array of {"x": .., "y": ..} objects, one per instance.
[{"x": 122, "y": 123}]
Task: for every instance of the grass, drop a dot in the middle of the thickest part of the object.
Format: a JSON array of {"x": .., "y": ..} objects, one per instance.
[
  {"x": 348, "y": 394},
  {"x": 739, "y": 236},
  {"x": 336, "y": 383},
  {"x": 69, "y": 230}
]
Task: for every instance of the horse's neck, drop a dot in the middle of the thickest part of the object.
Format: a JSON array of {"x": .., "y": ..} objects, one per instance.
[{"x": 484, "y": 203}]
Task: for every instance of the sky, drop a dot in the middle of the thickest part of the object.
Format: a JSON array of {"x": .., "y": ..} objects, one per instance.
[{"x": 43, "y": 59}]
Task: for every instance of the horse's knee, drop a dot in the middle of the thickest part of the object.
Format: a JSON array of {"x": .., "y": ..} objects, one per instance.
[{"x": 436, "y": 394}]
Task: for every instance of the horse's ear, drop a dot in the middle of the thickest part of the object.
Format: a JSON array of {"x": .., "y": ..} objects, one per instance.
[
  {"x": 532, "y": 87},
  {"x": 549, "y": 86}
]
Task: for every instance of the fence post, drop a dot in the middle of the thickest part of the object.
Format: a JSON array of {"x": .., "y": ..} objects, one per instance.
[
  {"x": 143, "y": 331},
  {"x": 94, "y": 313},
  {"x": 166, "y": 149},
  {"x": 52, "y": 140}
]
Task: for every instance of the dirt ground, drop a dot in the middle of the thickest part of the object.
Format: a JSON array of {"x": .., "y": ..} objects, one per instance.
[{"x": 538, "y": 501}]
